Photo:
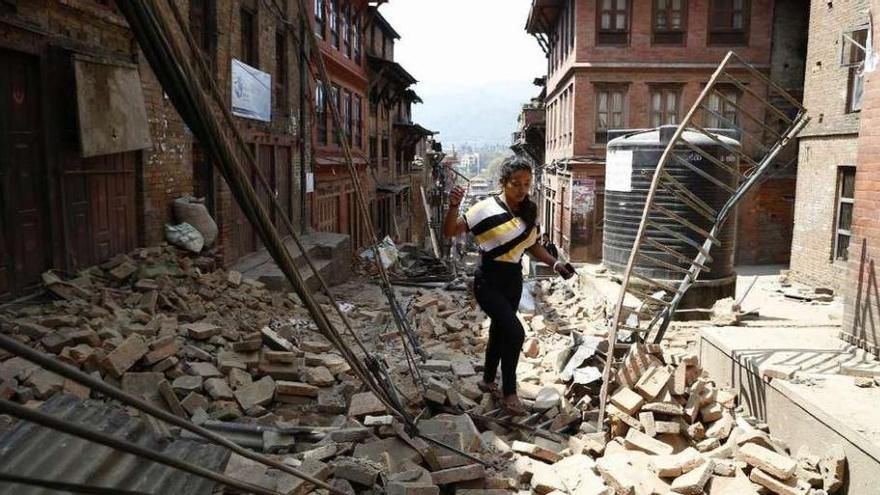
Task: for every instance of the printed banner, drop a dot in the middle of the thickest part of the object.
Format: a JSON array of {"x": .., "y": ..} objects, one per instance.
[{"x": 251, "y": 92}]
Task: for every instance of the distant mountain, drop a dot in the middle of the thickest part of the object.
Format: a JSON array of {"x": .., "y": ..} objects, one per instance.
[{"x": 474, "y": 115}]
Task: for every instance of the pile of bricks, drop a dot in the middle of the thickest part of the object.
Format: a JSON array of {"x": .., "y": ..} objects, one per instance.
[
  {"x": 161, "y": 324},
  {"x": 672, "y": 429},
  {"x": 247, "y": 363}
]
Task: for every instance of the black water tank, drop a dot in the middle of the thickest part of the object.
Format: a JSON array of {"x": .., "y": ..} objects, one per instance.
[{"x": 631, "y": 161}]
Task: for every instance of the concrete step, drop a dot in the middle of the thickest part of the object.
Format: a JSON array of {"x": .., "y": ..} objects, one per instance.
[
  {"x": 329, "y": 252},
  {"x": 328, "y": 245},
  {"x": 254, "y": 261}
]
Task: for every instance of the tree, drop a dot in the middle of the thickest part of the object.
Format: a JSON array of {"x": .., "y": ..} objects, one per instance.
[{"x": 493, "y": 170}]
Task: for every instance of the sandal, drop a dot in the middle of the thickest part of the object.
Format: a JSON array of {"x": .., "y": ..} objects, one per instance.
[
  {"x": 514, "y": 406},
  {"x": 489, "y": 388}
]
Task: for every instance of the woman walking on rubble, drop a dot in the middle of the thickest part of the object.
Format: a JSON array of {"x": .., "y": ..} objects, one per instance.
[{"x": 504, "y": 228}]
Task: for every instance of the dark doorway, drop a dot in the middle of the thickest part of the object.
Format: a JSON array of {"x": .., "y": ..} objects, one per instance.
[{"x": 24, "y": 244}]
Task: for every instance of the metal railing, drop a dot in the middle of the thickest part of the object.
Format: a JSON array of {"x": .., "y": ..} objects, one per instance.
[{"x": 738, "y": 97}]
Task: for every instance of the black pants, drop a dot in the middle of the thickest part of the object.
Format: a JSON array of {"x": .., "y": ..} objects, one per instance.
[{"x": 497, "y": 288}]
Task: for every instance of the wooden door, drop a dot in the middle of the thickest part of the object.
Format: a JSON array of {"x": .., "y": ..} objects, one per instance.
[
  {"x": 24, "y": 245},
  {"x": 266, "y": 162},
  {"x": 203, "y": 176},
  {"x": 242, "y": 233},
  {"x": 99, "y": 206},
  {"x": 284, "y": 186}
]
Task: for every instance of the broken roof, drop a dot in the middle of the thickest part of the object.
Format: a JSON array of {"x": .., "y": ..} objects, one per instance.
[
  {"x": 415, "y": 128},
  {"x": 542, "y": 16},
  {"x": 391, "y": 70},
  {"x": 383, "y": 23}
]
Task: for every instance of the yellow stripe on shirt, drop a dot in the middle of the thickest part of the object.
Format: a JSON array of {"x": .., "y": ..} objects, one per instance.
[{"x": 497, "y": 231}]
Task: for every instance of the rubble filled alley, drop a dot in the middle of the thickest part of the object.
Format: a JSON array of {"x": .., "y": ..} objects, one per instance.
[{"x": 215, "y": 347}]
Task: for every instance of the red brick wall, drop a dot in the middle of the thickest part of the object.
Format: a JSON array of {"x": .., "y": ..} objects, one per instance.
[
  {"x": 829, "y": 141},
  {"x": 812, "y": 260},
  {"x": 861, "y": 306},
  {"x": 167, "y": 166},
  {"x": 166, "y": 169},
  {"x": 86, "y": 27},
  {"x": 285, "y": 129},
  {"x": 765, "y": 223}
]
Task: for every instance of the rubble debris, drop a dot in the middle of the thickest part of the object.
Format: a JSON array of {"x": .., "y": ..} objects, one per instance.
[{"x": 217, "y": 348}]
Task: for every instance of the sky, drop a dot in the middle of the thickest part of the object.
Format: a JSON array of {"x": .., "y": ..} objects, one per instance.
[{"x": 474, "y": 61}]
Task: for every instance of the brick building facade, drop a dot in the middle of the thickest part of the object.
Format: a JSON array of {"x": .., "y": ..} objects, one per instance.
[
  {"x": 374, "y": 97},
  {"x": 828, "y": 146},
  {"x": 395, "y": 140},
  {"x": 860, "y": 288},
  {"x": 629, "y": 65},
  {"x": 80, "y": 190},
  {"x": 340, "y": 28}
]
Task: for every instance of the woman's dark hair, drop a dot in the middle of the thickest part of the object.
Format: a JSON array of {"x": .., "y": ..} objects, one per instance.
[{"x": 527, "y": 210}]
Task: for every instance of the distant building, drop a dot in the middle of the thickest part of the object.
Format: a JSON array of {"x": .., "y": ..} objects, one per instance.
[{"x": 374, "y": 97}]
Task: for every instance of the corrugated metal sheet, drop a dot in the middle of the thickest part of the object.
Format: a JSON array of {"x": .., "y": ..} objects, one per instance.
[{"x": 38, "y": 452}]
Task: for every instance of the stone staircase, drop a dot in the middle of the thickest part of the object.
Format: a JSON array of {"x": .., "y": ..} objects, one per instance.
[{"x": 330, "y": 252}]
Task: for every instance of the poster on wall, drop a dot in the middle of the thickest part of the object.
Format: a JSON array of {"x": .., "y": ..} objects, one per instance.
[
  {"x": 251, "y": 92},
  {"x": 618, "y": 170},
  {"x": 583, "y": 196},
  {"x": 583, "y": 206}
]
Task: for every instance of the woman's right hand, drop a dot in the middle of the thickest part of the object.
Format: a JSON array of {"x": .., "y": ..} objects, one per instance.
[
  {"x": 455, "y": 196},
  {"x": 454, "y": 224}
]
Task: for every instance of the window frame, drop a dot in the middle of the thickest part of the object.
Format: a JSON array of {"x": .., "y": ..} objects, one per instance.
[
  {"x": 359, "y": 120},
  {"x": 345, "y": 15},
  {"x": 250, "y": 48},
  {"x": 609, "y": 36},
  {"x": 669, "y": 36},
  {"x": 336, "y": 95},
  {"x": 321, "y": 112},
  {"x": 203, "y": 26},
  {"x": 734, "y": 36},
  {"x": 334, "y": 23},
  {"x": 727, "y": 91},
  {"x": 320, "y": 18},
  {"x": 842, "y": 172},
  {"x": 665, "y": 90},
  {"x": 348, "y": 117},
  {"x": 610, "y": 88},
  {"x": 855, "y": 79},
  {"x": 356, "y": 40}
]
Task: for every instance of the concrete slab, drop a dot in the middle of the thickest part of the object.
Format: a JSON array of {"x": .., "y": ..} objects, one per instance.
[
  {"x": 737, "y": 356},
  {"x": 818, "y": 408}
]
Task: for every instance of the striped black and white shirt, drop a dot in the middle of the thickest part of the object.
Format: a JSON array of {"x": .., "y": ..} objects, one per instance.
[{"x": 500, "y": 234}]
